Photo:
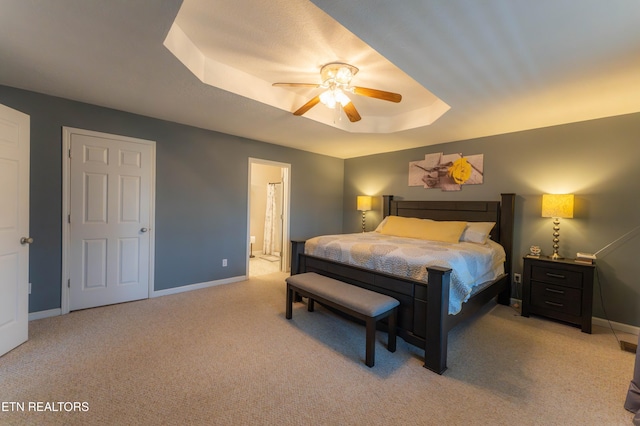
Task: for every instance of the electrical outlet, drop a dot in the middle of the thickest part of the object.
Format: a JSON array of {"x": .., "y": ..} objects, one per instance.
[
  {"x": 224, "y": 262},
  {"x": 517, "y": 278}
]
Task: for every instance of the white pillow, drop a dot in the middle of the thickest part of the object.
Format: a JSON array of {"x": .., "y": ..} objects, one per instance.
[{"x": 477, "y": 232}]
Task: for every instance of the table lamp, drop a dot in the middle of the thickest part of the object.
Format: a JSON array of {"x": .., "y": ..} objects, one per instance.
[
  {"x": 557, "y": 206},
  {"x": 364, "y": 205}
]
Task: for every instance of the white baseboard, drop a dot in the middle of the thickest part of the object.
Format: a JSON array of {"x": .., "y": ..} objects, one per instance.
[
  {"x": 58, "y": 311},
  {"x": 197, "y": 286},
  {"x": 625, "y": 328},
  {"x": 45, "y": 314}
]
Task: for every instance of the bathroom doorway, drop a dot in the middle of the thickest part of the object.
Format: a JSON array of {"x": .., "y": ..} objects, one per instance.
[{"x": 268, "y": 224}]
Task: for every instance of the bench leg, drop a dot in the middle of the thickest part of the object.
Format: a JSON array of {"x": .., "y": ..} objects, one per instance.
[
  {"x": 393, "y": 319},
  {"x": 370, "y": 354},
  {"x": 310, "y": 305},
  {"x": 290, "y": 296}
]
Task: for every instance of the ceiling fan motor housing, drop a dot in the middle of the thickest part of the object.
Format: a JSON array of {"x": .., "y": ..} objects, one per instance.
[{"x": 337, "y": 73}]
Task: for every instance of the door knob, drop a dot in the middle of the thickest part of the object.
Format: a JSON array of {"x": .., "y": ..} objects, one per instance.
[
  {"x": 26, "y": 240},
  {"x": 143, "y": 230}
]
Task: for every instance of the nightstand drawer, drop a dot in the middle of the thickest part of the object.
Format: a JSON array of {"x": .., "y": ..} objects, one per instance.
[
  {"x": 557, "y": 276},
  {"x": 556, "y": 298}
]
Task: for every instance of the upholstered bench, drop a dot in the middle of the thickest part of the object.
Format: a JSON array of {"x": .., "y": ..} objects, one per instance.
[{"x": 355, "y": 301}]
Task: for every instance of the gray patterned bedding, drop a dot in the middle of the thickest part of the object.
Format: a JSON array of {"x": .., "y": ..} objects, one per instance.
[{"x": 472, "y": 264}]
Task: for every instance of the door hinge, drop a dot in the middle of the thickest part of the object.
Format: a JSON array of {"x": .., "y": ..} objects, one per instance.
[
  {"x": 69, "y": 283},
  {"x": 69, "y": 153},
  {"x": 68, "y": 218}
]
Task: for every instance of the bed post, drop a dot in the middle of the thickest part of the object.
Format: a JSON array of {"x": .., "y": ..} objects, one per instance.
[
  {"x": 507, "y": 208},
  {"x": 386, "y": 205},
  {"x": 297, "y": 248},
  {"x": 435, "y": 351}
]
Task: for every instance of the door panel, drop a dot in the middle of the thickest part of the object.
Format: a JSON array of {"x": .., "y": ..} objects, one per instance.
[
  {"x": 14, "y": 225},
  {"x": 130, "y": 199},
  {"x": 129, "y": 253},
  {"x": 95, "y": 198},
  {"x": 9, "y": 285},
  {"x": 95, "y": 263},
  {"x": 110, "y": 192}
]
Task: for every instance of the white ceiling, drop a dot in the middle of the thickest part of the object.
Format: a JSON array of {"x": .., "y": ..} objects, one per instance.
[
  {"x": 201, "y": 39},
  {"x": 501, "y": 65}
]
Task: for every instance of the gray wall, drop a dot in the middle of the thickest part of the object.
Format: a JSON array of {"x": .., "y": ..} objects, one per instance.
[
  {"x": 596, "y": 160},
  {"x": 201, "y": 192}
]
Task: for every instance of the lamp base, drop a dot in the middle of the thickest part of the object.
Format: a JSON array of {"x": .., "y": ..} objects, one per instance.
[{"x": 556, "y": 239}]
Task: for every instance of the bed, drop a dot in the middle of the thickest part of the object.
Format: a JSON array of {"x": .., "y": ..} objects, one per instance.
[{"x": 423, "y": 316}]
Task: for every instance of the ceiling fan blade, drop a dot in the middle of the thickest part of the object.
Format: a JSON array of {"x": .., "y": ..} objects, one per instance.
[
  {"x": 295, "y": 85},
  {"x": 378, "y": 94},
  {"x": 351, "y": 112},
  {"x": 306, "y": 107}
]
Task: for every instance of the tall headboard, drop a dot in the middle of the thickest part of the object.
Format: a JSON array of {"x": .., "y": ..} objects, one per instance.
[{"x": 500, "y": 212}]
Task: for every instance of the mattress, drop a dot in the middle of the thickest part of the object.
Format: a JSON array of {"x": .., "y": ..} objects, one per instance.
[{"x": 472, "y": 264}]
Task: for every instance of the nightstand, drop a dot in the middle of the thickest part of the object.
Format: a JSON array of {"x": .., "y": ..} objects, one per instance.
[{"x": 559, "y": 289}]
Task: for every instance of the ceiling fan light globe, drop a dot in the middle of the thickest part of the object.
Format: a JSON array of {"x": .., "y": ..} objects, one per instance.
[
  {"x": 341, "y": 98},
  {"x": 334, "y": 96},
  {"x": 328, "y": 99}
]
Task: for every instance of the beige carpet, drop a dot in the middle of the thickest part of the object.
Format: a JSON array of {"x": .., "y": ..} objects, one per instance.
[{"x": 227, "y": 356}]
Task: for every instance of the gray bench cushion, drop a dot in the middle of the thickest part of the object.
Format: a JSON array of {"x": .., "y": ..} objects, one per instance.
[{"x": 361, "y": 300}]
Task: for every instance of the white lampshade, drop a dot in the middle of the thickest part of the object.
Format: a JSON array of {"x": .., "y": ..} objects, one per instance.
[
  {"x": 252, "y": 239},
  {"x": 364, "y": 203}
]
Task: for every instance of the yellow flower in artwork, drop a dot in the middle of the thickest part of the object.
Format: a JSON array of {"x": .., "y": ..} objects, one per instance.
[{"x": 460, "y": 171}]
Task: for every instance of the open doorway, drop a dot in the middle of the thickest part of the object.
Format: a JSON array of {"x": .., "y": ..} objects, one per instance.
[{"x": 268, "y": 217}]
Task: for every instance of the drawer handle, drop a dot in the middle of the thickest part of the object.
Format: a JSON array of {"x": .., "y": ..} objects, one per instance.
[
  {"x": 553, "y": 290},
  {"x": 560, "y": 305},
  {"x": 549, "y": 274}
]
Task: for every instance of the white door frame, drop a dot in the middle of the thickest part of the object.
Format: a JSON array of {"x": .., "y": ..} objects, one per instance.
[
  {"x": 286, "y": 197},
  {"x": 66, "y": 205}
]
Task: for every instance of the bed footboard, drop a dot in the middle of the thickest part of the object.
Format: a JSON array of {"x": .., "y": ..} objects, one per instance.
[{"x": 423, "y": 319}]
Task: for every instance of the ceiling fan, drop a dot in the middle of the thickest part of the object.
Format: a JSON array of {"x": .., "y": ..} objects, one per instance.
[{"x": 336, "y": 80}]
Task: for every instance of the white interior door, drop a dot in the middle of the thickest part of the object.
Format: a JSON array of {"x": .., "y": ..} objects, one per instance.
[
  {"x": 14, "y": 226},
  {"x": 110, "y": 218}
]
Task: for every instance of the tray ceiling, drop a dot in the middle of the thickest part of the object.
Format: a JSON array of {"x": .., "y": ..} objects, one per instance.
[{"x": 499, "y": 66}]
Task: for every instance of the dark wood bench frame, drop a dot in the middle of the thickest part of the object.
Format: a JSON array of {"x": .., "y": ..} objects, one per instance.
[{"x": 370, "y": 322}]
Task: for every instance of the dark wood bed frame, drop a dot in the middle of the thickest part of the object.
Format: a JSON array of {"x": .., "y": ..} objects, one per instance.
[{"x": 423, "y": 318}]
